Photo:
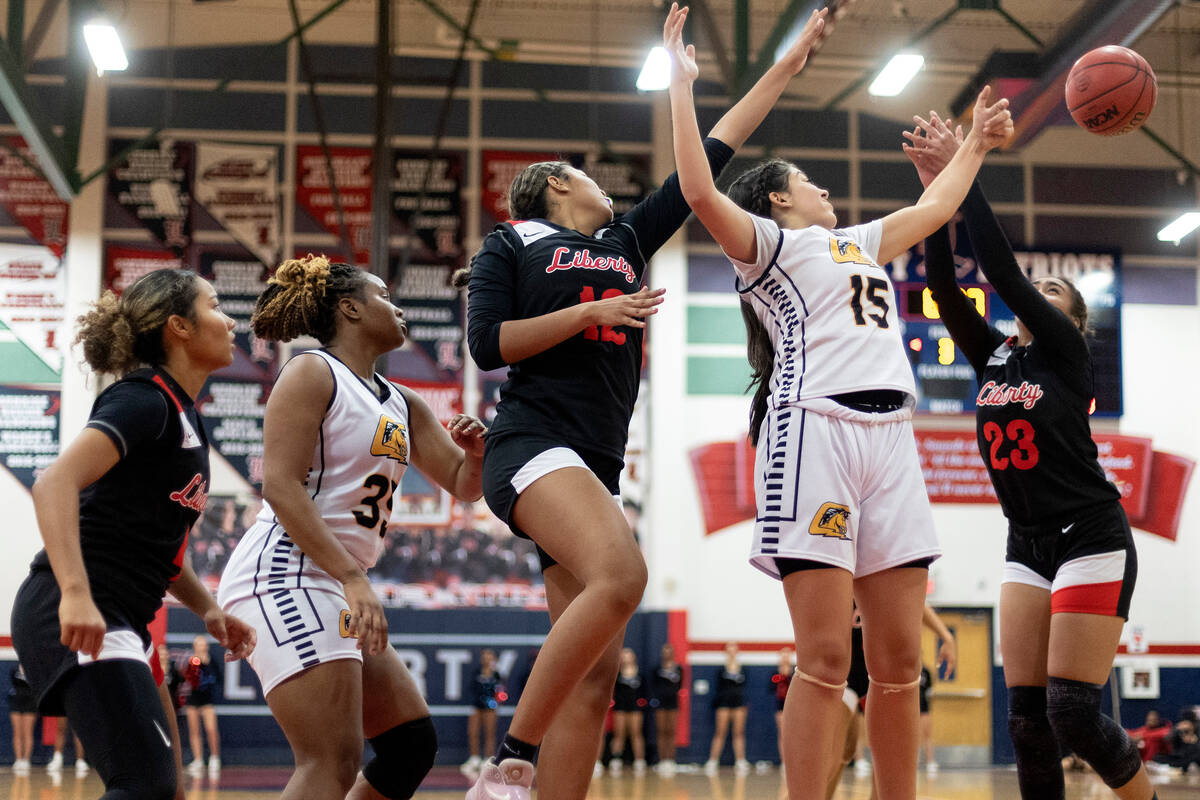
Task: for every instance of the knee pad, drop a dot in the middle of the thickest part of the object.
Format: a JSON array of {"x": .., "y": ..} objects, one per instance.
[
  {"x": 1073, "y": 708},
  {"x": 1039, "y": 771},
  {"x": 403, "y": 757},
  {"x": 890, "y": 688},
  {"x": 815, "y": 681}
]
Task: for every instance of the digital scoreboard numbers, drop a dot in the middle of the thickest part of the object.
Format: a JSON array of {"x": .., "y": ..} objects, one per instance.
[{"x": 945, "y": 381}]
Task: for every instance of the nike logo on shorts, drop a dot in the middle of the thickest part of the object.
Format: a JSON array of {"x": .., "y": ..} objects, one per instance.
[{"x": 1072, "y": 525}]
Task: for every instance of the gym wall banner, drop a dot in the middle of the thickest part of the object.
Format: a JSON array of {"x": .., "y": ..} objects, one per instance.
[
  {"x": 436, "y": 229},
  {"x": 352, "y": 171},
  {"x": 152, "y": 185},
  {"x": 239, "y": 186},
  {"x": 29, "y": 198}
]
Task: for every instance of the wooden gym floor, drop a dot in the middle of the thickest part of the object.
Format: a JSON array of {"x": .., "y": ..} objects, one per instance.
[{"x": 445, "y": 783}]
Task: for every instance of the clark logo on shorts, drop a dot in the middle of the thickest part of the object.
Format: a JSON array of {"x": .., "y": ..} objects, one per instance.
[
  {"x": 344, "y": 624},
  {"x": 845, "y": 251},
  {"x": 831, "y": 521},
  {"x": 390, "y": 440}
]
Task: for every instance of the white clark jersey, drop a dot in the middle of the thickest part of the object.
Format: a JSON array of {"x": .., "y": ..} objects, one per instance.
[
  {"x": 361, "y": 454},
  {"x": 830, "y": 311}
]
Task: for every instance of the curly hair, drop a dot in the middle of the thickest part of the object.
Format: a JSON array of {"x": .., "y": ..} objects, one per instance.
[
  {"x": 301, "y": 299},
  {"x": 119, "y": 334},
  {"x": 752, "y": 189}
]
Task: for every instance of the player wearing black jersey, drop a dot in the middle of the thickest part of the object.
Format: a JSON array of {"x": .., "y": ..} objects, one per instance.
[
  {"x": 114, "y": 511},
  {"x": 1070, "y": 563},
  {"x": 665, "y": 685},
  {"x": 556, "y": 294},
  {"x": 629, "y": 704},
  {"x": 729, "y": 706}
]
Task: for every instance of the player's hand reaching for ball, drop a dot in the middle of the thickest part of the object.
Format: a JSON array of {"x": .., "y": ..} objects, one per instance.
[
  {"x": 237, "y": 637},
  {"x": 809, "y": 41},
  {"x": 367, "y": 621},
  {"x": 625, "y": 309},
  {"x": 81, "y": 623},
  {"x": 930, "y": 146},
  {"x": 991, "y": 123},
  {"x": 468, "y": 433},
  {"x": 683, "y": 58}
]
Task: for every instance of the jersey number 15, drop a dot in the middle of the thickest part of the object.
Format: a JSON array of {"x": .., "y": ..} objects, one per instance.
[{"x": 873, "y": 289}]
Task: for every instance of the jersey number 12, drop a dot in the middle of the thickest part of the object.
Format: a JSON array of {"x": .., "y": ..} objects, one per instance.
[{"x": 601, "y": 333}]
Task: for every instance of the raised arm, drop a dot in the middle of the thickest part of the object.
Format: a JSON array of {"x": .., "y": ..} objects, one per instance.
[
  {"x": 992, "y": 126},
  {"x": 730, "y": 225},
  {"x": 496, "y": 336}
]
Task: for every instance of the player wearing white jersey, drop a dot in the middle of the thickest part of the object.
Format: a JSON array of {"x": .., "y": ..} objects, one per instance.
[
  {"x": 337, "y": 438},
  {"x": 842, "y": 508}
]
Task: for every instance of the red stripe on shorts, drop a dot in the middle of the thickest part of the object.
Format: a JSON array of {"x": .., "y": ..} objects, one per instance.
[{"x": 1087, "y": 598}]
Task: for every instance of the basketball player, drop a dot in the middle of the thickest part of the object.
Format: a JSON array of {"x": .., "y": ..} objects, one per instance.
[
  {"x": 337, "y": 438},
  {"x": 1070, "y": 565},
  {"x": 842, "y": 507},
  {"x": 556, "y": 295},
  {"x": 114, "y": 511}
]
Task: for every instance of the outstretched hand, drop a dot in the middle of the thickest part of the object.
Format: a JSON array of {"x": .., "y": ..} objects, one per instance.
[
  {"x": 683, "y": 58},
  {"x": 810, "y": 40},
  {"x": 991, "y": 123},
  {"x": 930, "y": 146}
]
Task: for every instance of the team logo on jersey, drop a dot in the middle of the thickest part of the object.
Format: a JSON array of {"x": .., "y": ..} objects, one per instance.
[
  {"x": 1001, "y": 394},
  {"x": 344, "y": 624},
  {"x": 583, "y": 259},
  {"x": 194, "y": 495},
  {"x": 830, "y": 520},
  {"x": 846, "y": 251},
  {"x": 391, "y": 440}
]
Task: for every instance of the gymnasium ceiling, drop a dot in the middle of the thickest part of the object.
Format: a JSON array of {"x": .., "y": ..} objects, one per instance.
[{"x": 961, "y": 35}]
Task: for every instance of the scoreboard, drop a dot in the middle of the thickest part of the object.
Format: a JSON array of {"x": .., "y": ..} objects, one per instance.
[{"x": 945, "y": 381}]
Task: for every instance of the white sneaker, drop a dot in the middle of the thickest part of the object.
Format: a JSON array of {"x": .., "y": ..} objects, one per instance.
[
  {"x": 931, "y": 768},
  {"x": 511, "y": 779},
  {"x": 666, "y": 768},
  {"x": 55, "y": 762},
  {"x": 711, "y": 767},
  {"x": 741, "y": 767},
  {"x": 598, "y": 770},
  {"x": 639, "y": 767},
  {"x": 615, "y": 766},
  {"x": 471, "y": 766},
  {"x": 214, "y": 766},
  {"x": 81, "y": 768},
  {"x": 862, "y": 767},
  {"x": 196, "y": 768},
  {"x": 21, "y": 766}
]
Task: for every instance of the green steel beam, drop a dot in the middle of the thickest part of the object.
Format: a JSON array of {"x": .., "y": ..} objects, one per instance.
[
  {"x": 716, "y": 43},
  {"x": 1017, "y": 24},
  {"x": 16, "y": 28},
  {"x": 320, "y": 15},
  {"x": 36, "y": 129},
  {"x": 78, "y": 66},
  {"x": 858, "y": 82},
  {"x": 741, "y": 40},
  {"x": 41, "y": 25},
  {"x": 766, "y": 54}
]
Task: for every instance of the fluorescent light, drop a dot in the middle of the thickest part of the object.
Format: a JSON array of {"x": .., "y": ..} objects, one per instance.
[
  {"x": 1181, "y": 227},
  {"x": 892, "y": 79},
  {"x": 656, "y": 72},
  {"x": 105, "y": 46}
]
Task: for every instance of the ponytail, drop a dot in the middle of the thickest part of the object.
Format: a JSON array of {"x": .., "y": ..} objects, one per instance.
[{"x": 761, "y": 355}]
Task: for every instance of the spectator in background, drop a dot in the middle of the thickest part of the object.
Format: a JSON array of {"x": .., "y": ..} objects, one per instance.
[
  {"x": 629, "y": 701},
  {"x": 55, "y": 764},
  {"x": 665, "y": 687},
  {"x": 22, "y": 712},
  {"x": 1150, "y": 737},
  {"x": 202, "y": 674},
  {"x": 1182, "y": 747},
  {"x": 780, "y": 682},
  {"x": 730, "y": 705},
  {"x": 486, "y": 695}
]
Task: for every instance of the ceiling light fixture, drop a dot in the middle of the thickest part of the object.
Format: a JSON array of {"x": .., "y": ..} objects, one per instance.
[{"x": 892, "y": 79}]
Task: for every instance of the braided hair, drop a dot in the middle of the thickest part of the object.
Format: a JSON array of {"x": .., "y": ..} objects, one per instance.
[
  {"x": 752, "y": 191},
  {"x": 302, "y": 297},
  {"x": 119, "y": 334},
  {"x": 526, "y": 200}
]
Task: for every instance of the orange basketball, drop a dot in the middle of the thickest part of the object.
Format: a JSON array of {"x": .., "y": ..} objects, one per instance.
[{"x": 1111, "y": 90}]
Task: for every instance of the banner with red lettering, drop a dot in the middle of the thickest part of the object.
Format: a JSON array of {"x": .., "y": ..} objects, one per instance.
[
  {"x": 124, "y": 265},
  {"x": 239, "y": 186},
  {"x": 352, "y": 175},
  {"x": 29, "y": 198},
  {"x": 32, "y": 307},
  {"x": 435, "y": 231},
  {"x": 152, "y": 185}
]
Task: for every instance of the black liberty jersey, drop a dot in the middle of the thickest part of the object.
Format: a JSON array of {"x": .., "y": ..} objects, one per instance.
[
  {"x": 666, "y": 682},
  {"x": 1033, "y": 402},
  {"x": 581, "y": 390},
  {"x": 134, "y": 521}
]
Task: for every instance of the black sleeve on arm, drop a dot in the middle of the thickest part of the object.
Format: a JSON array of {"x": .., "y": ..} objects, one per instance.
[
  {"x": 131, "y": 413},
  {"x": 490, "y": 299},
  {"x": 1055, "y": 332},
  {"x": 655, "y": 219},
  {"x": 970, "y": 331}
]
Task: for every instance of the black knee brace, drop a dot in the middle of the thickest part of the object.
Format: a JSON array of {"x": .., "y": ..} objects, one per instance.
[
  {"x": 1039, "y": 772},
  {"x": 403, "y": 757},
  {"x": 1074, "y": 711}
]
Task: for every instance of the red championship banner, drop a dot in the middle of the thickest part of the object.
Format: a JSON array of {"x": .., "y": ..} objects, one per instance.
[
  {"x": 352, "y": 174},
  {"x": 499, "y": 169},
  {"x": 29, "y": 198}
]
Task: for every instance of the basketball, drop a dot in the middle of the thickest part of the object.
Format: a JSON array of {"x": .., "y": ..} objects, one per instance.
[{"x": 1111, "y": 90}]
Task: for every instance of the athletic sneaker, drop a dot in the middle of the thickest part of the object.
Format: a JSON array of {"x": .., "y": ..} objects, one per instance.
[
  {"x": 711, "y": 767},
  {"x": 471, "y": 766},
  {"x": 55, "y": 762},
  {"x": 598, "y": 770},
  {"x": 666, "y": 768},
  {"x": 639, "y": 767},
  {"x": 21, "y": 766},
  {"x": 81, "y": 768},
  {"x": 741, "y": 767},
  {"x": 511, "y": 779},
  {"x": 931, "y": 768},
  {"x": 615, "y": 766},
  {"x": 862, "y": 767},
  {"x": 196, "y": 768},
  {"x": 214, "y": 766}
]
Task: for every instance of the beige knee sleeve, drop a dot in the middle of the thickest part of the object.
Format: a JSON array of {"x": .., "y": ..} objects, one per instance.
[
  {"x": 889, "y": 688},
  {"x": 804, "y": 676}
]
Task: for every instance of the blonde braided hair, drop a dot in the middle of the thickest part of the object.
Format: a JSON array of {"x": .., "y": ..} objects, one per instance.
[{"x": 301, "y": 297}]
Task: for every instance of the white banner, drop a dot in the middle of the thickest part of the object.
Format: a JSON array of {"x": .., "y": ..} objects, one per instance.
[
  {"x": 32, "y": 293},
  {"x": 239, "y": 186}
]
